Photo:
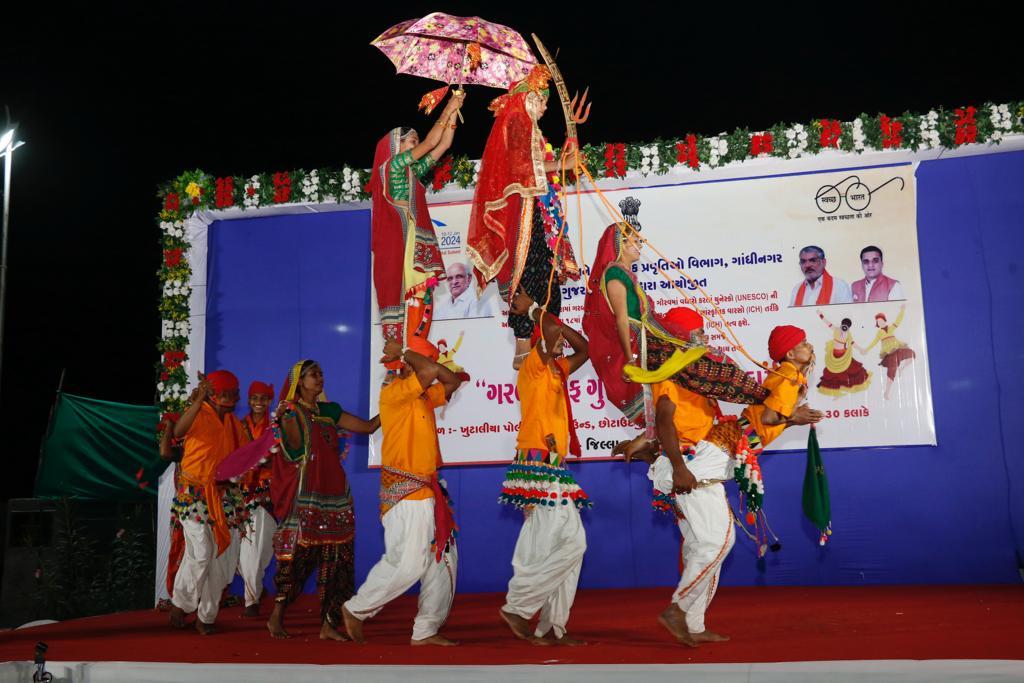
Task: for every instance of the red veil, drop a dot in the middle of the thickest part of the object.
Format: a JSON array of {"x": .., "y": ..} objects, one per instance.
[
  {"x": 388, "y": 239},
  {"x": 511, "y": 170}
]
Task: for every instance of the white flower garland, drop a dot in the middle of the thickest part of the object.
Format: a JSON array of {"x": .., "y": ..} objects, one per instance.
[
  {"x": 311, "y": 186},
  {"x": 796, "y": 140},
  {"x": 928, "y": 128}
]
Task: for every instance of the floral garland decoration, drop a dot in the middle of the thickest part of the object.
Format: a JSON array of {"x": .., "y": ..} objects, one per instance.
[{"x": 195, "y": 190}]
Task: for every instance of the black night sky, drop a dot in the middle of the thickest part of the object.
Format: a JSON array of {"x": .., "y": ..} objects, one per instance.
[{"x": 112, "y": 102}]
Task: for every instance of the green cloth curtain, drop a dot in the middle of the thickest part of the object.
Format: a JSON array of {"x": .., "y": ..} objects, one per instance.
[{"x": 97, "y": 450}]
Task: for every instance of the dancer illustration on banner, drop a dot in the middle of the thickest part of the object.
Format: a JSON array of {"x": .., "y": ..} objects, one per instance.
[
  {"x": 516, "y": 226},
  {"x": 895, "y": 354},
  {"x": 407, "y": 261},
  {"x": 843, "y": 374}
]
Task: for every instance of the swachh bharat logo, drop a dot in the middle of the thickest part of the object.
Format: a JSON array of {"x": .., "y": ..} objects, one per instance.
[{"x": 856, "y": 194}]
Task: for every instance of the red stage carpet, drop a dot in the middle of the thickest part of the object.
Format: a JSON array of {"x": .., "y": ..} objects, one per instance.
[{"x": 766, "y": 625}]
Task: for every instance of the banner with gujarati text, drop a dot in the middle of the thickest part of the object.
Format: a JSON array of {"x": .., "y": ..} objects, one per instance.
[{"x": 832, "y": 252}]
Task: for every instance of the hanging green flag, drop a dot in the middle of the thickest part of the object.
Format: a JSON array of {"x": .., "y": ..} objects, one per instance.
[
  {"x": 98, "y": 450},
  {"x": 817, "y": 502}
]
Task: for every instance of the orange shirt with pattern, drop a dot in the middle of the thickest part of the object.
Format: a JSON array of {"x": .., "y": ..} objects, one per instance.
[
  {"x": 410, "y": 431},
  {"x": 542, "y": 402}
]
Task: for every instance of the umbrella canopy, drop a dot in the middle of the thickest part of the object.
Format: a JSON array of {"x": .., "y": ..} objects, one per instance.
[{"x": 457, "y": 50}]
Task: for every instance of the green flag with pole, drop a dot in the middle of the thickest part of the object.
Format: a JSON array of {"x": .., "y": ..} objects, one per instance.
[{"x": 816, "y": 501}]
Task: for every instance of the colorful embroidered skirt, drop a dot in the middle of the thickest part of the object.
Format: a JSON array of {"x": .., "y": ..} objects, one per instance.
[{"x": 532, "y": 479}]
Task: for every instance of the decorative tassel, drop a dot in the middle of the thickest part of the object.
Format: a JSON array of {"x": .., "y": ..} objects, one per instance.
[{"x": 432, "y": 99}]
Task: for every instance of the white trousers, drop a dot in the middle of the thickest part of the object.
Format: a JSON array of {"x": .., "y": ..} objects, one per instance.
[
  {"x": 707, "y": 539},
  {"x": 546, "y": 565},
  {"x": 409, "y": 558},
  {"x": 254, "y": 553},
  {"x": 202, "y": 575}
]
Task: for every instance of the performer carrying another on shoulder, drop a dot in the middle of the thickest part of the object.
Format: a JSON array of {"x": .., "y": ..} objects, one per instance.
[
  {"x": 419, "y": 538},
  {"x": 549, "y": 553},
  {"x": 694, "y": 482}
]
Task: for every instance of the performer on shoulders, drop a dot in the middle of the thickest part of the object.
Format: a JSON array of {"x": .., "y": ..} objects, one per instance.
[
  {"x": 632, "y": 349},
  {"x": 406, "y": 258},
  {"x": 517, "y": 230}
]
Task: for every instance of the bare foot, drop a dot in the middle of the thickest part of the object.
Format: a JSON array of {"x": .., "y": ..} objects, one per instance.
[
  {"x": 568, "y": 641},
  {"x": 541, "y": 641},
  {"x": 520, "y": 627},
  {"x": 436, "y": 639},
  {"x": 275, "y": 624},
  {"x": 251, "y": 611},
  {"x": 353, "y": 626},
  {"x": 328, "y": 632},
  {"x": 204, "y": 628},
  {"x": 177, "y": 616},
  {"x": 674, "y": 621},
  {"x": 707, "y": 636}
]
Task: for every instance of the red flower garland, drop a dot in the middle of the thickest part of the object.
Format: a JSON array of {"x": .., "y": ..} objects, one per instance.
[
  {"x": 686, "y": 152},
  {"x": 891, "y": 129},
  {"x": 830, "y": 132},
  {"x": 966, "y": 126},
  {"x": 172, "y": 257},
  {"x": 615, "y": 160},
  {"x": 442, "y": 173},
  {"x": 225, "y": 192},
  {"x": 760, "y": 144},
  {"x": 172, "y": 202},
  {"x": 282, "y": 187}
]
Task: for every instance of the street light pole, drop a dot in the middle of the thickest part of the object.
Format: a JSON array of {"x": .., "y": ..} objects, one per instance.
[{"x": 7, "y": 147}]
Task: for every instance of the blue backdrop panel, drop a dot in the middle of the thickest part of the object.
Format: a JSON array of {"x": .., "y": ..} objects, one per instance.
[{"x": 296, "y": 287}]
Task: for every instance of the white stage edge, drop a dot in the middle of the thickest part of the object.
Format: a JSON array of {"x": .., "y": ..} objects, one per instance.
[{"x": 906, "y": 671}]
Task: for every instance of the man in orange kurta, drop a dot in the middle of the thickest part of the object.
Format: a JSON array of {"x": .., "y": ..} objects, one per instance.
[
  {"x": 419, "y": 545},
  {"x": 705, "y": 519},
  {"x": 210, "y": 513},
  {"x": 549, "y": 552}
]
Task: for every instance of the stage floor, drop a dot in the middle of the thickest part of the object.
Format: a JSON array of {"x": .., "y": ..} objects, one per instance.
[{"x": 778, "y": 624}]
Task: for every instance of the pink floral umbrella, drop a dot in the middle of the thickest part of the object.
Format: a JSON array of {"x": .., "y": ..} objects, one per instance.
[{"x": 457, "y": 50}]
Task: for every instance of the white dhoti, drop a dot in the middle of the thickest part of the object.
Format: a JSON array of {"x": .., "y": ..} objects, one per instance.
[
  {"x": 707, "y": 528},
  {"x": 203, "y": 575},
  {"x": 409, "y": 558},
  {"x": 254, "y": 553},
  {"x": 546, "y": 565}
]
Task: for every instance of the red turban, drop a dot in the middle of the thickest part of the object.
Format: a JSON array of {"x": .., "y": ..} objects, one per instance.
[
  {"x": 784, "y": 339},
  {"x": 258, "y": 388},
  {"x": 222, "y": 380},
  {"x": 682, "y": 322}
]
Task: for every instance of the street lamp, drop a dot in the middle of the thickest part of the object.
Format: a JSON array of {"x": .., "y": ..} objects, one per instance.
[{"x": 7, "y": 147}]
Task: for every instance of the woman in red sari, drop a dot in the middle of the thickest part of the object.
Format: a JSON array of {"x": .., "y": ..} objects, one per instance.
[
  {"x": 517, "y": 232},
  {"x": 406, "y": 258},
  {"x": 628, "y": 337}
]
